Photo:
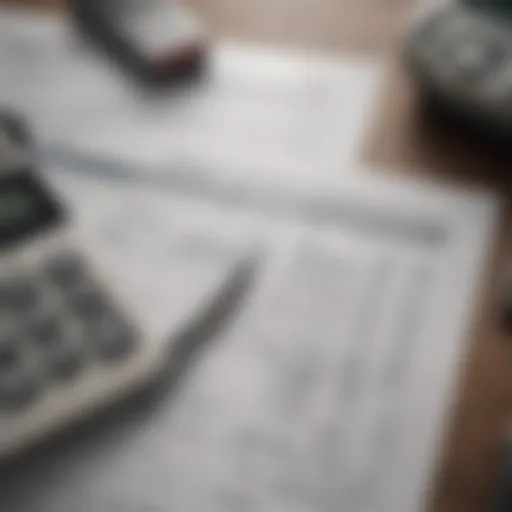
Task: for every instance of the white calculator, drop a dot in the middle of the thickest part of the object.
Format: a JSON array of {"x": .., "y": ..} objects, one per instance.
[
  {"x": 69, "y": 341},
  {"x": 460, "y": 52}
]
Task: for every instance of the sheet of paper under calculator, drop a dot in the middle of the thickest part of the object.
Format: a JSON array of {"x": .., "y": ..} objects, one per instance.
[{"x": 330, "y": 388}]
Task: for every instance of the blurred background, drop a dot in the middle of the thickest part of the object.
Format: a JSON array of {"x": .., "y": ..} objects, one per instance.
[{"x": 400, "y": 137}]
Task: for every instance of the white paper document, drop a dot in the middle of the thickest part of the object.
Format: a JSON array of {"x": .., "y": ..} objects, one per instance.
[
  {"x": 256, "y": 107},
  {"x": 330, "y": 388}
]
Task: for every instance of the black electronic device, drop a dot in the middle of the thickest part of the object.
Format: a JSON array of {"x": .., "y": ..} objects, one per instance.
[
  {"x": 459, "y": 52},
  {"x": 155, "y": 40},
  {"x": 72, "y": 337}
]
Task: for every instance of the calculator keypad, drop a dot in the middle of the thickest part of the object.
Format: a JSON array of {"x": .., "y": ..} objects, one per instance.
[{"x": 63, "y": 322}]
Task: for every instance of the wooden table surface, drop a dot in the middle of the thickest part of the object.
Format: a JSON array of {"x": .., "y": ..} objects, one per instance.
[{"x": 401, "y": 139}]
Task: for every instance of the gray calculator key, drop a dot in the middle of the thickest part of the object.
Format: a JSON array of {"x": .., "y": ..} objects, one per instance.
[
  {"x": 46, "y": 331},
  {"x": 9, "y": 354},
  {"x": 66, "y": 270},
  {"x": 18, "y": 293},
  {"x": 65, "y": 362},
  {"x": 88, "y": 304},
  {"x": 17, "y": 388},
  {"x": 62, "y": 357},
  {"x": 111, "y": 337}
]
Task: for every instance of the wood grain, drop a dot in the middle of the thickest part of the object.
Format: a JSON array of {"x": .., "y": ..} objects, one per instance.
[
  {"x": 405, "y": 140},
  {"x": 361, "y": 26}
]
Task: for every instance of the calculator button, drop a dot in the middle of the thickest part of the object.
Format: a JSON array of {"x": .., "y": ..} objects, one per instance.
[
  {"x": 65, "y": 362},
  {"x": 46, "y": 331},
  {"x": 111, "y": 337},
  {"x": 17, "y": 293},
  {"x": 17, "y": 388},
  {"x": 66, "y": 271},
  {"x": 88, "y": 304},
  {"x": 9, "y": 355},
  {"x": 62, "y": 359}
]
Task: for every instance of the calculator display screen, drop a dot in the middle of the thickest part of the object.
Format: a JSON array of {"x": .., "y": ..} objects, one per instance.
[{"x": 26, "y": 208}]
